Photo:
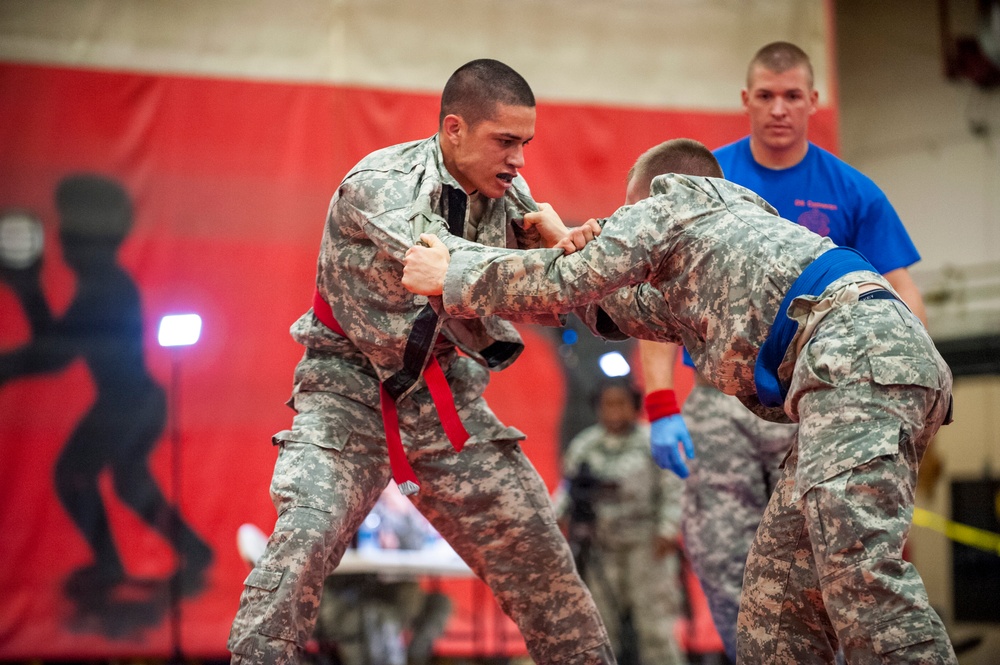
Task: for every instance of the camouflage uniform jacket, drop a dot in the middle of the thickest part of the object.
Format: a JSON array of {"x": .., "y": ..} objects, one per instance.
[
  {"x": 637, "y": 500},
  {"x": 718, "y": 262},
  {"x": 380, "y": 209}
]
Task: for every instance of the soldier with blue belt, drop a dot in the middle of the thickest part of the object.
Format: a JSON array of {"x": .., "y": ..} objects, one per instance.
[
  {"x": 739, "y": 455},
  {"x": 796, "y": 328}
]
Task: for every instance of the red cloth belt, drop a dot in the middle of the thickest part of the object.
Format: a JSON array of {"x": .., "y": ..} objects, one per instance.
[{"x": 437, "y": 384}]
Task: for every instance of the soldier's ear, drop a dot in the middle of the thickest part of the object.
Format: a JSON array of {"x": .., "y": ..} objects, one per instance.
[{"x": 453, "y": 128}]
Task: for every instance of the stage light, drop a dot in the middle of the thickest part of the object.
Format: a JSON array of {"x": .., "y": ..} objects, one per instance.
[
  {"x": 614, "y": 364},
  {"x": 176, "y": 330},
  {"x": 179, "y": 329},
  {"x": 22, "y": 240}
]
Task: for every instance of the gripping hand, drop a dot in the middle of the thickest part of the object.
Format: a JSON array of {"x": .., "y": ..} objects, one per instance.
[{"x": 668, "y": 432}]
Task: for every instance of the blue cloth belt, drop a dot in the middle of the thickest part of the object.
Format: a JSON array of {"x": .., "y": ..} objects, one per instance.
[
  {"x": 828, "y": 267},
  {"x": 878, "y": 294}
]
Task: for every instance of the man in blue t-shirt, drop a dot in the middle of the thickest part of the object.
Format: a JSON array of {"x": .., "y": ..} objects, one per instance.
[{"x": 739, "y": 454}]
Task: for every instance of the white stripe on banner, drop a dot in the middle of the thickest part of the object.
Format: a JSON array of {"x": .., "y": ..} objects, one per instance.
[{"x": 657, "y": 53}]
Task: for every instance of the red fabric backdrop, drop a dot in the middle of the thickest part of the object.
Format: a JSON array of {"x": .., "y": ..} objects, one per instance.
[{"x": 230, "y": 181}]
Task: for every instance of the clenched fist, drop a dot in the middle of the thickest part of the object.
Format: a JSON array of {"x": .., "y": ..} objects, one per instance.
[{"x": 425, "y": 265}]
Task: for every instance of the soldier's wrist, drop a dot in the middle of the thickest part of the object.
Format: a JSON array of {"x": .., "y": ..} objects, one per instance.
[{"x": 661, "y": 404}]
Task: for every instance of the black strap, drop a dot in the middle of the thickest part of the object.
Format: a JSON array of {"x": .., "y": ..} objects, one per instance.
[
  {"x": 419, "y": 341},
  {"x": 457, "y": 202},
  {"x": 421, "y": 337},
  {"x": 881, "y": 294},
  {"x": 499, "y": 352},
  {"x": 878, "y": 294}
]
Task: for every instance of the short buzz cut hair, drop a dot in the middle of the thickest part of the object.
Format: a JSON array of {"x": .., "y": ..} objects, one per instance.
[
  {"x": 779, "y": 57},
  {"x": 685, "y": 156},
  {"x": 475, "y": 89}
]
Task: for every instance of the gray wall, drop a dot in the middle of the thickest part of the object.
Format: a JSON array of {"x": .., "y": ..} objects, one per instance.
[{"x": 933, "y": 145}]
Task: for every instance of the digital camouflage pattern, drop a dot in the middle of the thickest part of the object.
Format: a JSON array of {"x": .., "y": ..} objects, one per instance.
[
  {"x": 739, "y": 455},
  {"x": 870, "y": 391},
  {"x": 378, "y": 212},
  {"x": 732, "y": 477},
  {"x": 488, "y": 502},
  {"x": 867, "y": 388},
  {"x": 712, "y": 248},
  {"x": 639, "y": 500},
  {"x": 636, "y": 502}
]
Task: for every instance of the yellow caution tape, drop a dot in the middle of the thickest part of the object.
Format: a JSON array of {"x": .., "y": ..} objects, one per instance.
[{"x": 960, "y": 533}]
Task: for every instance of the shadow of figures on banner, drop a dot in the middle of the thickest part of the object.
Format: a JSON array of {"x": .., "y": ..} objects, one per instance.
[{"x": 103, "y": 327}]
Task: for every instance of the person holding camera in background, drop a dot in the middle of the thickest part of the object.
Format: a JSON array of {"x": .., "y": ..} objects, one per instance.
[{"x": 622, "y": 515}]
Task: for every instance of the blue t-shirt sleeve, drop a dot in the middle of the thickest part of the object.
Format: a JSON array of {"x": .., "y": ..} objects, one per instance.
[
  {"x": 729, "y": 154},
  {"x": 879, "y": 232}
]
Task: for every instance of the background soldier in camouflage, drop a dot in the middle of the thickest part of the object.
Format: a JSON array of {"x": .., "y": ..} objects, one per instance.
[
  {"x": 367, "y": 343},
  {"x": 623, "y": 517},
  {"x": 738, "y": 466},
  {"x": 714, "y": 267},
  {"x": 739, "y": 455}
]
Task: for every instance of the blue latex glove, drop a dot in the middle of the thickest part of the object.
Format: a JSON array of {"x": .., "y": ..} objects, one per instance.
[{"x": 665, "y": 437}]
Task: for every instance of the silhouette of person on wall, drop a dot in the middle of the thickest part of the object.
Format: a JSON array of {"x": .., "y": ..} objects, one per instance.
[{"x": 103, "y": 326}]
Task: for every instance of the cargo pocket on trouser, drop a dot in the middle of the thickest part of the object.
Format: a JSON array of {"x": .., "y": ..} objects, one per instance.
[
  {"x": 852, "y": 504},
  {"x": 322, "y": 478},
  {"x": 835, "y": 443},
  {"x": 893, "y": 639},
  {"x": 323, "y": 457},
  {"x": 916, "y": 388},
  {"x": 265, "y": 585},
  {"x": 858, "y": 521},
  {"x": 256, "y": 614},
  {"x": 326, "y": 420},
  {"x": 287, "y": 584}
]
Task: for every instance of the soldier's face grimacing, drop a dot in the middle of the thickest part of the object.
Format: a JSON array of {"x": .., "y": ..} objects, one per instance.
[{"x": 488, "y": 155}]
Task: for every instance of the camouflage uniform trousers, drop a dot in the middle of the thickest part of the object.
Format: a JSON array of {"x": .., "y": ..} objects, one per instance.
[
  {"x": 826, "y": 568},
  {"x": 732, "y": 476},
  {"x": 631, "y": 578},
  {"x": 488, "y": 502}
]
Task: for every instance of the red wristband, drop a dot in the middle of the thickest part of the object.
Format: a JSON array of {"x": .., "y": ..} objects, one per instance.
[{"x": 661, "y": 403}]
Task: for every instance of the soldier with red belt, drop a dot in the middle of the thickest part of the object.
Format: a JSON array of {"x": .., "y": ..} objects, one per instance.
[{"x": 382, "y": 390}]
